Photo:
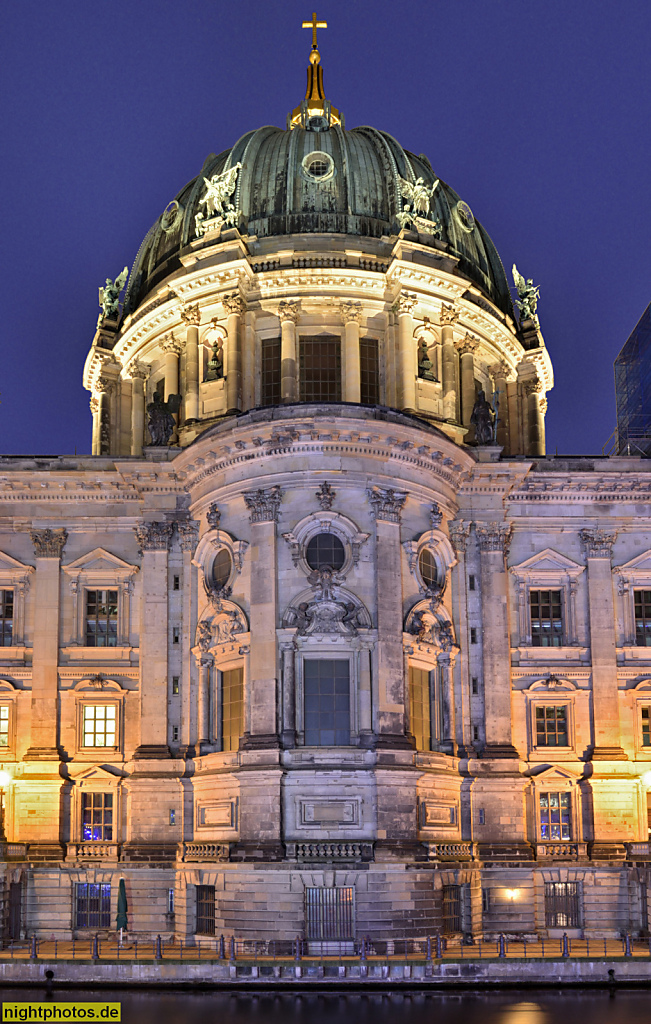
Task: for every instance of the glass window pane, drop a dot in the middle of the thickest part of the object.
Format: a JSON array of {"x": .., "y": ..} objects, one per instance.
[{"x": 327, "y": 714}]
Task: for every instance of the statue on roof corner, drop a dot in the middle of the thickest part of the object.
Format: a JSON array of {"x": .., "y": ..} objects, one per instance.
[
  {"x": 417, "y": 210},
  {"x": 528, "y": 295},
  {"x": 219, "y": 211},
  {"x": 109, "y": 295}
]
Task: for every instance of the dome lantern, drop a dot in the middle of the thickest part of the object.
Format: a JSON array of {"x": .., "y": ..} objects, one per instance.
[{"x": 315, "y": 113}]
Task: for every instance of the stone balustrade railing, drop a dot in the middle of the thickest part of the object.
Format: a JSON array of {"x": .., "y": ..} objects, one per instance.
[
  {"x": 561, "y": 851},
  {"x": 450, "y": 851},
  {"x": 329, "y": 851},
  {"x": 204, "y": 852}
]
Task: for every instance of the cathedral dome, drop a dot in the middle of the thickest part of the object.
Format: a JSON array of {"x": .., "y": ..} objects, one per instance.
[{"x": 329, "y": 181}]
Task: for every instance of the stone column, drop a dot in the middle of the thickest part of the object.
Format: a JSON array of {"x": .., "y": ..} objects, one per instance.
[
  {"x": 499, "y": 372},
  {"x": 263, "y": 506},
  {"x": 249, "y": 362},
  {"x": 191, "y": 317},
  {"x": 445, "y": 659},
  {"x": 408, "y": 350},
  {"x": 172, "y": 349},
  {"x": 205, "y": 662},
  {"x": 466, "y": 349},
  {"x": 138, "y": 376},
  {"x": 386, "y": 506},
  {"x": 234, "y": 307},
  {"x": 288, "y": 315},
  {"x": 104, "y": 387},
  {"x": 288, "y": 652},
  {"x": 351, "y": 314},
  {"x": 48, "y": 546},
  {"x": 459, "y": 532},
  {"x": 154, "y": 540},
  {"x": 493, "y": 541},
  {"x": 188, "y": 534},
  {"x": 449, "y": 375},
  {"x": 605, "y": 699},
  {"x": 94, "y": 408},
  {"x": 535, "y": 419}
]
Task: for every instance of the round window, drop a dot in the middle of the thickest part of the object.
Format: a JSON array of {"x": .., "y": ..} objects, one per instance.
[
  {"x": 221, "y": 568},
  {"x": 325, "y": 550},
  {"x": 318, "y": 166},
  {"x": 427, "y": 567}
]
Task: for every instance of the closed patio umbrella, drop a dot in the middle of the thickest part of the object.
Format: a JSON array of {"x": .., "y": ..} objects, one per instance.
[{"x": 122, "y": 908}]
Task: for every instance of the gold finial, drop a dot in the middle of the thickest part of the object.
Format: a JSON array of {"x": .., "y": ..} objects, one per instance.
[{"x": 314, "y": 25}]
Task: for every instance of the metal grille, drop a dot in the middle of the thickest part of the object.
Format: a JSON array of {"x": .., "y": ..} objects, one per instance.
[
  {"x": 206, "y": 909},
  {"x": 6, "y": 617},
  {"x": 232, "y": 708},
  {"x": 419, "y": 706},
  {"x": 93, "y": 905},
  {"x": 562, "y": 905},
  {"x": 327, "y": 703},
  {"x": 97, "y": 817},
  {"x": 369, "y": 372},
  {"x": 451, "y": 908},
  {"x": 643, "y": 618},
  {"x": 101, "y": 618},
  {"x": 546, "y": 618},
  {"x": 270, "y": 394},
  {"x": 551, "y": 726},
  {"x": 320, "y": 369},
  {"x": 330, "y": 913}
]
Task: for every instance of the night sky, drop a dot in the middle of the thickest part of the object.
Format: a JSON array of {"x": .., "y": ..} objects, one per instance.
[{"x": 537, "y": 112}]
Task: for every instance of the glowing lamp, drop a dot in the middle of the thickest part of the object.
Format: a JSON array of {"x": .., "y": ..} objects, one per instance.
[
  {"x": 513, "y": 894},
  {"x": 646, "y": 779},
  {"x": 5, "y": 779}
]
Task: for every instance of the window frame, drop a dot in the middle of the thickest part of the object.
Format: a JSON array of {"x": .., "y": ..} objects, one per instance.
[
  {"x": 560, "y": 636},
  {"x": 326, "y": 522},
  {"x": 100, "y": 570},
  {"x": 325, "y": 336},
  {"x": 328, "y": 652},
  {"x": 198, "y": 902},
  {"x": 91, "y": 794},
  {"x": 104, "y": 922},
  {"x": 546, "y": 570},
  {"x": 108, "y": 619},
  {"x": 561, "y": 793},
  {"x": 14, "y": 575},
  {"x": 555, "y": 697},
  {"x": 90, "y": 700},
  {"x": 8, "y": 699}
]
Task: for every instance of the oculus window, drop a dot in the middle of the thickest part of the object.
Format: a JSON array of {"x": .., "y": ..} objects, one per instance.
[
  {"x": 427, "y": 568},
  {"x": 221, "y": 568},
  {"x": 327, "y": 702},
  {"x": 320, "y": 369},
  {"x": 325, "y": 549}
]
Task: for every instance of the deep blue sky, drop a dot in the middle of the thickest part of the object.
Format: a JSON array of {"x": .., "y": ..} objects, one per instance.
[{"x": 536, "y": 111}]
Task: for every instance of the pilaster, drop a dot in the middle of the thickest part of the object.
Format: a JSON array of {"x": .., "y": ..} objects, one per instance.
[
  {"x": 449, "y": 317},
  {"x": 48, "y": 547},
  {"x": 191, "y": 317},
  {"x": 234, "y": 307},
  {"x": 154, "y": 539}
]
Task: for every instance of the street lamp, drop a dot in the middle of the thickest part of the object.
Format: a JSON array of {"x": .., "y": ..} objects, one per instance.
[{"x": 5, "y": 779}]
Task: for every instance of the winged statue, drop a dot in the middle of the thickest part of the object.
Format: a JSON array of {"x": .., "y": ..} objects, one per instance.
[
  {"x": 528, "y": 295},
  {"x": 419, "y": 197},
  {"x": 219, "y": 189},
  {"x": 109, "y": 295}
]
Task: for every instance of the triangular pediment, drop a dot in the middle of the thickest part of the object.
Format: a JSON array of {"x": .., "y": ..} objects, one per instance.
[
  {"x": 641, "y": 563},
  {"x": 556, "y": 773},
  {"x": 95, "y": 774},
  {"x": 548, "y": 561},
  {"x": 11, "y": 568},
  {"x": 99, "y": 560}
]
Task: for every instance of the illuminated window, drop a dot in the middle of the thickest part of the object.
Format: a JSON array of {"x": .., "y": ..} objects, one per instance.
[
  {"x": 205, "y": 909},
  {"x": 270, "y": 392},
  {"x": 4, "y": 725},
  {"x": 325, "y": 550},
  {"x": 551, "y": 725},
  {"x": 330, "y": 912},
  {"x": 643, "y": 618},
  {"x": 93, "y": 905},
  {"x": 6, "y": 618},
  {"x": 101, "y": 618},
  {"x": 419, "y": 707},
  {"x": 320, "y": 369},
  {"x": 97, "y": 817},
  {"x": 327, "y": 702},
  {"x": 646, "y": 727},
  {"x": 369, "y": 372},
  {"x": 546, "y": 618},
  {"x": 562, "y": 905},
  {"x": 555, "y": 817},
  {"x": 232, "y": 708},
  {"x": 99, "y": 725}
]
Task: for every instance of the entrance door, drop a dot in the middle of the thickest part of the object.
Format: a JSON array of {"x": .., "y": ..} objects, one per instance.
[{"x": 15, "y": 901}]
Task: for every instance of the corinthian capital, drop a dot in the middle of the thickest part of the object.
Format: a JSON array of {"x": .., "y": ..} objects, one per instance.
[
  {"x": 172, "y": 344},
  {"x": 49, "y": 543},
  {"x": 263, "y": 505},
  {"x": 494, "y": 536},
  {"x": 449, "y": 315},
  {"x": 467, "y": 345},
  {"x": 191, "y": 315},
  {"x": 386, "y": 504},
  {"x": 188, "y": 531},
  {"x": 154, "y": 536},
  {"x": 351, "y": 312},
  {"x": 598, "y": 543},
  {"x": 405, "y": 303},
  {"x": 233, "y": 304},
  {"x": 533, "y": 386},
  {"x": 288, "y": 310},
  {"x": 459, "y": 533}
]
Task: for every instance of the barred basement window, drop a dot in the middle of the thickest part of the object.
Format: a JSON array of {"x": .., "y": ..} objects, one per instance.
[
  {"x": 93, "y": 905},
  {"x": 555, "y": 817},
  {"x": 562, "y": 905},
  {"x": 4, "y": 725},
  {"x": 330, "y": 913},
  {"x": 643, "y": 618},
  {"x": 546, "y": 618},
  {"x": 232, "y": 708},
  {"x": 369, "y": 372},
  {"x": 101, "y": 618},
  {"x": 205, "y": 909},
  {"x": 99, "y": 725},
  {"x": 646, "y": 727},
  {"x": 551, "y": 726},
  {"x": 451, "y": 909},
  {"x": 270, "y": 392},
  {"x": 419, "y": 707},
  {"x": 320, "y": 369},
  {"x": 327, "y": 703},
  {"x": 6, "y": 617},
  {"x": 97, "y": 817}
]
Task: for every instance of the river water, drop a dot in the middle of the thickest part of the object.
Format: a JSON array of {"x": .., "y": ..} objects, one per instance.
[{"x": 512, "y": 1007}]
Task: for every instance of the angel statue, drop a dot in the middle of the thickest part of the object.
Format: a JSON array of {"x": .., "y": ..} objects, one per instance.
[
  {"x": 219, "y": 188},
  {"x": 109, "y": 295},
  {"x": 161, "y": 421},
  {"x": 528, "y": 295},
  {"x": 419, "y": 196}
]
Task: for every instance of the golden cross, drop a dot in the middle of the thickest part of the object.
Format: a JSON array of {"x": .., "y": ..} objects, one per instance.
[{"x": 314, "y": 25}]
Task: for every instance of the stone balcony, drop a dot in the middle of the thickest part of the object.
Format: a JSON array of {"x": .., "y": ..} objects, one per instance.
[
  {"x": 561, "y": 851},
  {"x": 446, "y": 852},
  {"x": 324, "y": 852}
]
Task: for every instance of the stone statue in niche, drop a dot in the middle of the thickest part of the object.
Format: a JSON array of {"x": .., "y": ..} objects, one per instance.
[
  {"x": 425, "y": 365},
  {"x": 161, "y": 418},
  {"x": 482, "y": 420},
  {"x": 215, "y": 368}
]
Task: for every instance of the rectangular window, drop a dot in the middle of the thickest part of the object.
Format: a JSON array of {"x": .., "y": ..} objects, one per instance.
[
  {"x": 4, "y": 725},
  {"x": 643, "y": 618},
  {"x": 170, "y": 901},
  {"x": 369, "y": 372},
  {"x": 646, "y": 726},
  {"x": 98, "y": 727},
  {"x": 270, "y": 392},
  {"x": 562, "y": 905},
  {"x": 451, "y": 909},
  {"x": 101, "y": 618},
  {"x": 320, "y": 369},
  {"x": 546, "y": 618},
  {"x": 551, "y": 726},
  {"x": 419, "y": 707},
  {"x": 485, "y": 901},
  {"x": 555, "y": 821},
  {"x": 330, "y": 913},
  {"x": 232, "y": 708},
  {"x": 93, "y": 905},
  {"x": 6, "y": 618},
  {"x": 97, "y": 817},
  {"x": 327, "y": 703},
  {"x": 205, "y": 909},
  {"x": 473, "y": 634},
  {"x": 471, "y": 583}
]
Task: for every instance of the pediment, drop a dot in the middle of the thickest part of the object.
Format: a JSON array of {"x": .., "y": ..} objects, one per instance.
[
  {"x": 99, "y": 561},
  {"x": 97, "y": 684},
  {"x": 641, "y": 563},
  {"x": 553, "y": 684},
  {"x": 96, "y": 774},
  {"x": 557, "y": 774},
  {"x": 549, "y": 562},
  {"x": 12, "y": 568}
]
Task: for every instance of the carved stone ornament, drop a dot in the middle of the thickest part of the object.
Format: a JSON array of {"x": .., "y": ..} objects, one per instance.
[
  {"x": 351, "y": 312},
  {"x": 94, "y": 404},
  {"x": 435, "y": 516},
  {"x": 449, "y": 315},
  {"x": 49, "y": 543},
  {"x": 459, "y": 532},
  {"x": 219, "y": 211},
  {"x": 233, "y": 304},
  {"x": 173, "y": 345},
  {"x": 154, "y": 536},
  {"x": 325, "y": 496},
  {"x": 467, "y": 345},
  {"x": 213, "y": 516},
  {"x": 288, "y": 310},
  {"x": 386, "y": 504},
  {"x": 494, "y": 536},
  {"x": 264, "y": 505},
  {"x": 190, "y": 315},
  {"x": 138, "y": 371},
  {"x": 220, "y": 627},
  {"x": 405, "y": 304},
  {"x": 424, "y": 623},
  {"x": 188, "y": 531},
  {"x": 598, "y": 543},
  {"x": 330, "y": 611},
  {"x": 533, "y": 386}
]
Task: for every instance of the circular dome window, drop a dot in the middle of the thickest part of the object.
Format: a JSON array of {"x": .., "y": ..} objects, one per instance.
[
  {"x": 465, "y": 216},
  {"x": 221, "y": 568},
  {"x": 318, "y": 166},
  {"x": 325, "y": 549},
  {"x": 427, "y": 567}
]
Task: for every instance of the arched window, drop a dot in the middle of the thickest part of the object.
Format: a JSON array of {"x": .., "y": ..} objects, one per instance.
[{"x": 325, "y": 549}]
